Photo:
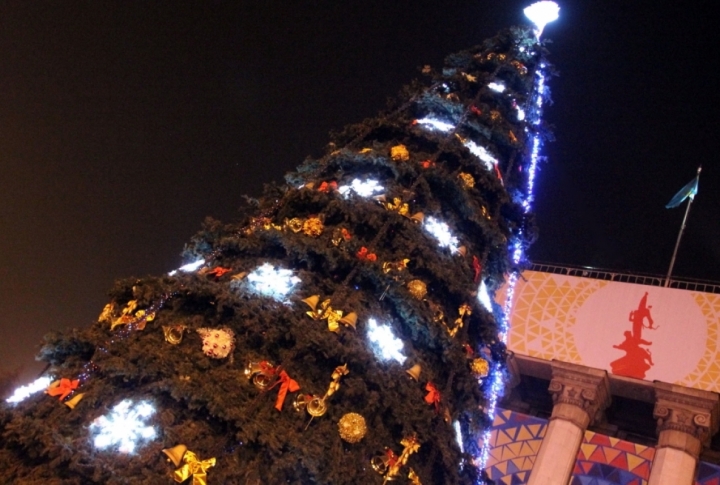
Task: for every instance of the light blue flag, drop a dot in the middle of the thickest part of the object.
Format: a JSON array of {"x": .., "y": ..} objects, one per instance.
[{"x": 688, "y": 191}]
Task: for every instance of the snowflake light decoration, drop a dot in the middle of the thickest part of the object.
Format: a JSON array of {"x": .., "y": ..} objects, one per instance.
[
  {"x": 385, "y": 345},
  {"x": 435, "y": 124},
  {"x": 124, "y": 427},
  {"x": 23, "y": 392},
  {"x": 363, "y": 189},
  {"x": 441, "y": 232},
  {"x": 275, "y": 283},
  {"x": 188, "y": 268}
]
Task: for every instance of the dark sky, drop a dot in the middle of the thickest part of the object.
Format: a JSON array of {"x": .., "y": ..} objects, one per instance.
[{"x": 124, "y": 124}]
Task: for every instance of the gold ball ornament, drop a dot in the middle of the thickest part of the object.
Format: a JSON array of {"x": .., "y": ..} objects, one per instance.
[
  {"x": 417, "y": 289},
  {"x": 313, "y": 227},
  {"x": 399, "y": 153},
  {"x": 352, "y": 427},
  {"x": 467, "y": 180},
  {"x": 480, "y": 367}
]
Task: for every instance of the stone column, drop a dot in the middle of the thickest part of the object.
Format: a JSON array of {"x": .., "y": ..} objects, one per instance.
[
  {"x": 580, "y": 394},
  {"x": 687, "y": 419}
]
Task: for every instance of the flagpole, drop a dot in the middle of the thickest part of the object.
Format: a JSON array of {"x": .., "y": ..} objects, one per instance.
[{"x": 680, "y": 234}]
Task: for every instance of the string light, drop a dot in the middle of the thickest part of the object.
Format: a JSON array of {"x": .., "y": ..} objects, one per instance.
[
  {"x": 275, "y": 283},
  {"x": 23, "y": 392},
  {"x": 385, "y": 345},
  {"x": 124, "y": 427},
  {"x": 441, "y": 232},
  {"x": 540, "y": 13},
  {"x": 363, "y": 189},
  {"x": 435, "y": 124}
]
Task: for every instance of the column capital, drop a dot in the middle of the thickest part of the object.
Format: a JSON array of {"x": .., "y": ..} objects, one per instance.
[
  {"x": 580, "y": 393},
  {"x": 685, "y": 410}
]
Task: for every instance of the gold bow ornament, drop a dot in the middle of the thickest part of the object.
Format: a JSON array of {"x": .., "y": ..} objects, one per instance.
[
  {"x": 194, "y": 468},
  {"x": 324, "y": 311}
]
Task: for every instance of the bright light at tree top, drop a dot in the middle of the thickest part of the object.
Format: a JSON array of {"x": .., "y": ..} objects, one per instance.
[
  {"x": 275, "y": 283},
  {"x": 385, "y": 345},
  {"x": 363, "y": 189},
  {"x": 541, "y": 14},
  {"x": 23, "y": 392},
  {"x": 124, "y": 427}
]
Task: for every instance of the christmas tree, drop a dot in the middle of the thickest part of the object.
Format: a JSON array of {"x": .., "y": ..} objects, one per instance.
[{"x": 342, "y": 331}]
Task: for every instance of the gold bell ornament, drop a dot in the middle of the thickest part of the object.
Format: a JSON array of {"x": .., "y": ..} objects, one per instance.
[
  {"x": 315, "y": 405},
  {"x": 414, "y": 371},
  {"x": 175, "y": 454},
  {"x": 174, "y": 333},
  {"x": 261, "y": 373}
]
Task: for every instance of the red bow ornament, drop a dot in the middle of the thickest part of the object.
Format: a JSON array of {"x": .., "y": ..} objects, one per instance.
[
  {"x": 219, "y": 271},
  {"x": 433, "y": 396},
  {"x": 286, "y": 384},
  {"x": 477, "y": 267},
  {"x": 63, "y": 388},
  {"x": 366, "y": 255},
  {"x": 327, "y": 187}
]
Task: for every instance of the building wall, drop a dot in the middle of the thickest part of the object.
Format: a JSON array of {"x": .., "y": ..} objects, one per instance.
[{"x": 602, "y": 460}]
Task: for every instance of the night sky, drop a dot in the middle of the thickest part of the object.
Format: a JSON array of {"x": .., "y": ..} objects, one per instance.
[{"x": 124, "y": 124}]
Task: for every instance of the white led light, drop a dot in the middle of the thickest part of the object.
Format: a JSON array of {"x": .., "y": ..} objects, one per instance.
[
  {"x": 482, "y": 154},
  {"x": 435, "y": 124},
  {"x": 275, "y": 283},
  {"x": 541, "y": 14},
  {"x": 363, "y": 189},
  {"x": 497, "y": 87},
  {"x": 188, "y": 268},
  {"x": 23, "y": 392},
  {"x": 441, "y": 232},
  {"x": 385, "y": 345},
  {"x": 458, "y": 436},
  {"x": 124, "y": 427},
  {"x": 520, "y": 114},
  {"x": 484, "y": 297}
]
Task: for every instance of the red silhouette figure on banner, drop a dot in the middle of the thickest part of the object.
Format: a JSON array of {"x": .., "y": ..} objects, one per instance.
[{"x": 637, "y": 360}]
